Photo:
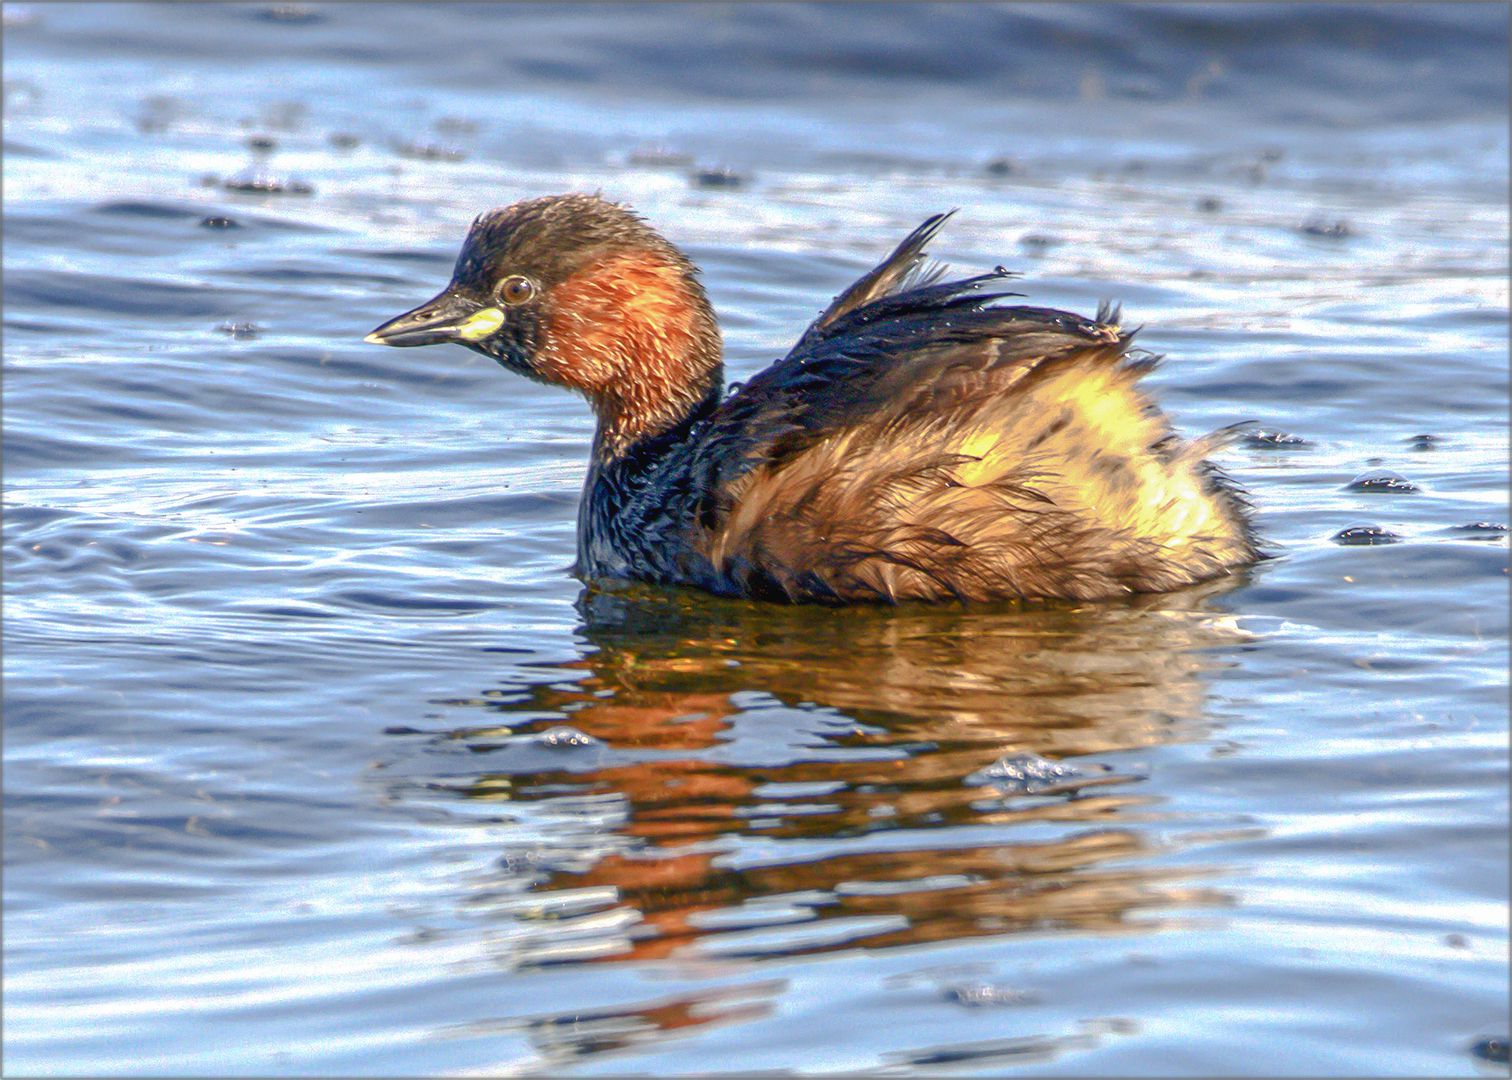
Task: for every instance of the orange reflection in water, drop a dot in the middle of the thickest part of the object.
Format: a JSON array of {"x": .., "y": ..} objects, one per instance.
[{"x": 867, "y": 833}]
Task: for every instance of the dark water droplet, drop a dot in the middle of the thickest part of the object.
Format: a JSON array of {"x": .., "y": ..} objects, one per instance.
[
  {"x": 1494, "y": 1049},
  {"x": 1272, "y": 440},
  {"x": 217, "y": 222},
  {"x": 1038, "y": 241},
  {"x": 402, "y": 729},
  {"x": 455, "y": 125},
  {"x": 289, "y": 13},
  {"x": 157, "y": 113},
  {"x": 1424, "y": 442},
  {"x": 262, "y": 144},
  {"x": 1365, "y": 535},
  {"x": 1329, "y": 230},
  {"x": 343, "y": 140},
  {"x": 1481, "y": 530},
  {"x": 1024, "y": 774},
  {"x": 658, "y": 157},
  {"x": 1209, "y": 204},
  {"x": 1384, "y": 481},
  {"x": 718, "y": 178},
  {"x": 1001, "y": 167},
  {"x": 260, "y": 183},
  {"x": 240, "y": 330},
  {"x": 417, "y": 150}
]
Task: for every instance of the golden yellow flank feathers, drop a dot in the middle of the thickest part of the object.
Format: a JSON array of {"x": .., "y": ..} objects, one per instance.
[{"x": 1053, "y": 478}]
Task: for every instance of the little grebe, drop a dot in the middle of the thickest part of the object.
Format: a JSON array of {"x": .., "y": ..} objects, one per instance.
[{"x": 919, "y": 442}]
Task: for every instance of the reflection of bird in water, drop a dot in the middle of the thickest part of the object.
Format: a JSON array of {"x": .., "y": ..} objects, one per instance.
[
  {"x": 581, "y": 1033},
  {"x": 895, "y": 708},
  {"x": 920, "y": 441}
]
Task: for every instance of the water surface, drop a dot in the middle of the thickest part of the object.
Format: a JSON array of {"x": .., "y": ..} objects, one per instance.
[{"x": 318, "y": 760}]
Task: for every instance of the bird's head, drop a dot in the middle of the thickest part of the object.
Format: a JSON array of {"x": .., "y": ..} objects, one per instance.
[{"x": 579, "y": 292}]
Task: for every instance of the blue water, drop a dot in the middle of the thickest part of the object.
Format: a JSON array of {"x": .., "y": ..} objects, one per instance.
[{"x": 318, "y": 760}]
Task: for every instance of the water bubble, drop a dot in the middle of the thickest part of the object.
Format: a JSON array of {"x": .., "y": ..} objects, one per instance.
[
  {"x": 1481, "y": 530},
  {"x": 1365, "y": 535},
  {"x": 979, "y": 995},
  {"x": 564, "y": 737},
  {"x": 1272, "y": 440},
  {"x": 417, "y": 150},
  {"x": 1383, "y": 481},
  {"x": 1329, "y": 230},
  {"x": 1038, "y": 241},
  {"x": 1491, "y": 1050},
  {"x": 1025, "y": 774},
  {"x": 260, "y": 183}
]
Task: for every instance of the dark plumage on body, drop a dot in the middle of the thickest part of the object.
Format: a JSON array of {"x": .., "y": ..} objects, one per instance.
[{"x": 923, "y": 440}]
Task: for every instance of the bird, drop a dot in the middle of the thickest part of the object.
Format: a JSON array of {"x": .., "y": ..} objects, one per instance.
[{"x": 924, "y": 440}]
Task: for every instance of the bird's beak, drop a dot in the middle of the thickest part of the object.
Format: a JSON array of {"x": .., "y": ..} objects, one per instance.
[{"x": 447, "y": 317}]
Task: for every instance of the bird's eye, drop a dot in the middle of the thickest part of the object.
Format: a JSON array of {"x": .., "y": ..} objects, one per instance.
[{"x": 515, "y": 289}]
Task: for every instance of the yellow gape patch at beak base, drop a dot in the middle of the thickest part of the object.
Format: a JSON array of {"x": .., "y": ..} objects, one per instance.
[{"x": 480, "y": 324}]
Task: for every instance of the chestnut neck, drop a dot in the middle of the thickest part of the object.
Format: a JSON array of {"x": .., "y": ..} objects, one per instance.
[
  {"x": 655, "y": 395},
  {"x": 635, "y": 333}
]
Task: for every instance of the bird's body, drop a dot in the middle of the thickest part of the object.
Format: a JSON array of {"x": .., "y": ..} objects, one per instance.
[{"x": 921, "y": 441}]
